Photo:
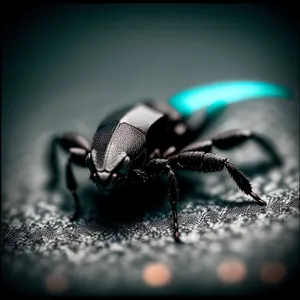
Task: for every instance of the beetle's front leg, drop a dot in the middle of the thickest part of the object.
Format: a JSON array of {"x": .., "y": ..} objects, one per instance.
[
  {"x": 154, "y": 169},
  {"x": 65, "y": 141},
  {"x": 174, "y": 197},
  {"x": 78, "y": 147},
  {"x": 77, "y": 155}
]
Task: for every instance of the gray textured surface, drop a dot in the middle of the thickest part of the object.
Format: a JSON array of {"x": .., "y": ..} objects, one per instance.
[{"x": 81, "y": 63}]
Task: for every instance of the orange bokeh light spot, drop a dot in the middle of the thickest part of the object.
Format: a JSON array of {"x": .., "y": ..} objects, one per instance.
[
  {"x": 231, "y": 271},
  {"x": 156, "y": 274}
]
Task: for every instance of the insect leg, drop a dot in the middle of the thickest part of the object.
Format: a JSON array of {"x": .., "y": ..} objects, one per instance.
[
  {"x": 70, "y": 178},
  {"x": 209, "y": 162},
  {"x": 154, "y": 169},
  {"x": 204, "y": 146},
  {"x": 173, "y": 197},
  {"x": 78, "y": 147},
  {"x": 70, "y": 140},
  {"x": 65, "y": 141},
  {"x": 234, "y": 138}
]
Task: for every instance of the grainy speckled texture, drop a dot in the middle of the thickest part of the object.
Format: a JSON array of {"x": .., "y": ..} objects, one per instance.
[{"x": 105, "y": 252}]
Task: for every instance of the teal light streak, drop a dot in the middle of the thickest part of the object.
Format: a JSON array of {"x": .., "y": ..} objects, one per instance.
[{"x": 217, "y": 95}]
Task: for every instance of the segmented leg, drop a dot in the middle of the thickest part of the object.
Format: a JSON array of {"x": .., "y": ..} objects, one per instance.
[
  {"x": 72, "y": 186},
  {"x": 190, "y": 160},
  {"x": 174, "y": 197},
  {"x": 231, "y": 139},
  {"x": 78, "y": 147},
  {"x": 154, "y": 169},
  {"x": 209, "y": 162}
]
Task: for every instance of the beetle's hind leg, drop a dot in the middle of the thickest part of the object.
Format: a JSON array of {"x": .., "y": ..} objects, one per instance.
[
  {"x": 234, "y": 138},
  {"x": 78, "y": 147}
]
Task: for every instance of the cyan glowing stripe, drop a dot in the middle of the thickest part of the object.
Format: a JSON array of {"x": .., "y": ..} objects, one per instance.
[{"x": 217, "y": 95}]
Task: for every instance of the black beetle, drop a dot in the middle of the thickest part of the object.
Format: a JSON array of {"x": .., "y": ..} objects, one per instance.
[{"x": 145, "y": 140}]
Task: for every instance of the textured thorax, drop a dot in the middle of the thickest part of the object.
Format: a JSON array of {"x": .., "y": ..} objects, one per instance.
[{"x": 122, "y": 137}]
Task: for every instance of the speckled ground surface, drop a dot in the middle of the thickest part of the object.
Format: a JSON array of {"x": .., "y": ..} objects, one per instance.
[{"x": 108, "y": 249}]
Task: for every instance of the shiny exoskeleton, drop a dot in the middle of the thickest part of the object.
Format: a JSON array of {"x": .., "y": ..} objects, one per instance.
[{"x": 143, "y": 141}]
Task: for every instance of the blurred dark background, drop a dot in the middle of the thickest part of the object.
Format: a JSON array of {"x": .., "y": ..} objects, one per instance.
[{"x": 65, "y": 66}]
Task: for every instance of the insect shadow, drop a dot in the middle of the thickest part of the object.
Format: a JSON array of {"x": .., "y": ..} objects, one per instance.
[
  {"x": 127, "y": 205},
  {"x": 124, "y": 205}
]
